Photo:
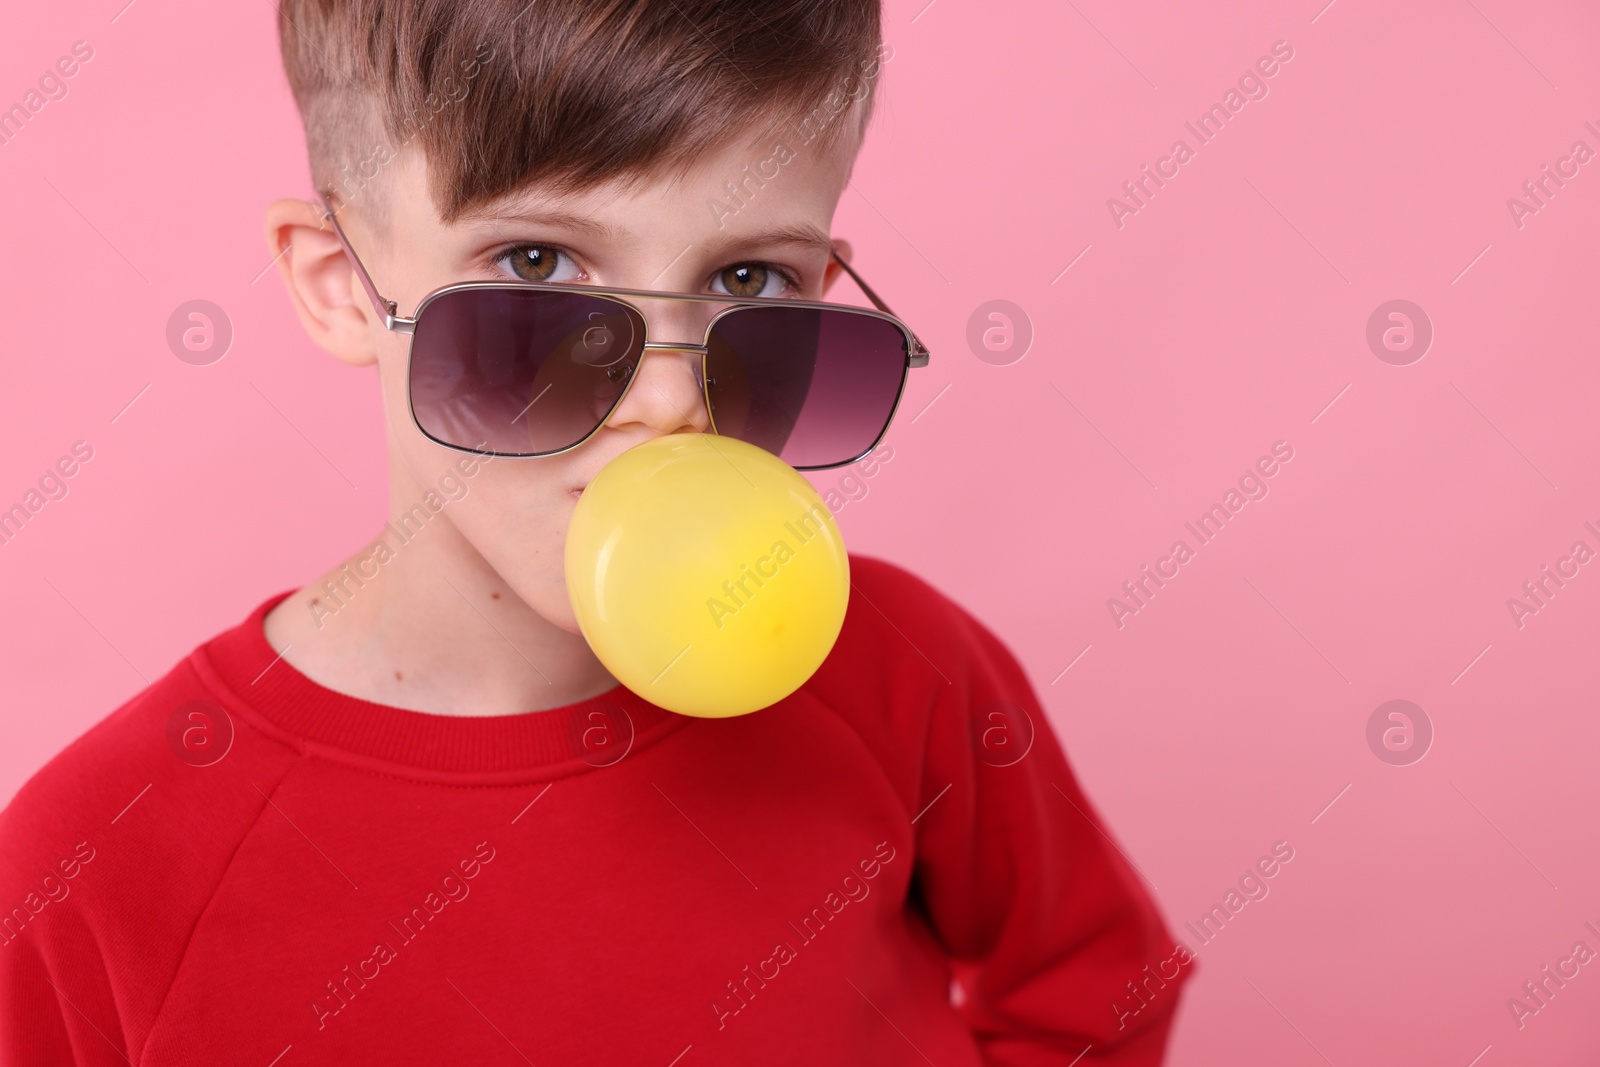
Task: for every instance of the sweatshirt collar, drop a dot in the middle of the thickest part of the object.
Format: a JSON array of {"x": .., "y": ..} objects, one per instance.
[{"x": 265, "y": 689}]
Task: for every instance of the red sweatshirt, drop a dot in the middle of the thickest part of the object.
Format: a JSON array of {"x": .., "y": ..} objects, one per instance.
[{"x": 894, "y": 865}]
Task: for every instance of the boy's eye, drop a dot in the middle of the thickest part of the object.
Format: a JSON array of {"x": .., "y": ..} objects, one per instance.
[
  {"x": 538, "y": 263},
  {"x": 751, "y": 279}
]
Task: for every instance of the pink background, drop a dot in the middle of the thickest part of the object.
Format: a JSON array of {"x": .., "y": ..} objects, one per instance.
[{"x": 1224, "y": 316}]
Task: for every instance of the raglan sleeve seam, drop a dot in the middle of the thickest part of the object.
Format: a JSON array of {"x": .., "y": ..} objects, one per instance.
[{"x": 205, "y": 906}]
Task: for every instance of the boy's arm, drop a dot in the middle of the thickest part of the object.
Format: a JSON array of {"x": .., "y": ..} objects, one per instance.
[
  {"x": 1048, "y": 928},
  {"x": 57, "y": 1005},
  {"x": 51, "y": 995},
  {"x": 109, "y": 855}
]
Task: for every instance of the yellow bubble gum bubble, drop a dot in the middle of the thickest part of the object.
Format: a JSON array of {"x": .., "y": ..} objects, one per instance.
[{"x": 706, "y": 574}]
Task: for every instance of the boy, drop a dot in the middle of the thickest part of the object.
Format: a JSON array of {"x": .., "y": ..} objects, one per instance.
[{"x": 403, "y": 815}]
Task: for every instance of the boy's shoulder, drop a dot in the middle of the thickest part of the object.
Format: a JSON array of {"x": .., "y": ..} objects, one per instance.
[
  {"x": 140, "y": 791},
  {"x": 912, "y": 663},
  {"x": 900, "y": 624},
  {"x": 83, "y": 790}
]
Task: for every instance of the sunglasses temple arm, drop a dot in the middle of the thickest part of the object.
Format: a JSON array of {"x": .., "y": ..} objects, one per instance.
[
  {"x": 877, "y": 302},
  {"x": 386, "y": 309}
]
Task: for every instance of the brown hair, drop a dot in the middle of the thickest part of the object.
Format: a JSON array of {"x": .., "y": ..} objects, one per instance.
[{"x": 502, "y": 93}]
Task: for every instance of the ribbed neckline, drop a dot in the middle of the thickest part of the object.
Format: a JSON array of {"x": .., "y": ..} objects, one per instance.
[{"x": 556, "y": 742}]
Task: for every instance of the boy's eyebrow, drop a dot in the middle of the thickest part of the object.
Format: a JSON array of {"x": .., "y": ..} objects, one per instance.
[
  {"x": 801, "y": 234},
  {"x": 548, "y": 216}
]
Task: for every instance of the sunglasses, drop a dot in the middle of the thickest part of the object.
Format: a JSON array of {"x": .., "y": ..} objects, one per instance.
[{"x": 524, "y": 369}]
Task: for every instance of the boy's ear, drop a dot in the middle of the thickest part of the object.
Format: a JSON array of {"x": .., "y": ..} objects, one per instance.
[
  {"x": 321, "y": 281},
  {"x": 833, "y": 270}
]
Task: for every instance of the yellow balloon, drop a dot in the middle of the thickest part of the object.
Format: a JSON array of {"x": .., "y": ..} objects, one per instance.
[{"x": 706, "y": 574}]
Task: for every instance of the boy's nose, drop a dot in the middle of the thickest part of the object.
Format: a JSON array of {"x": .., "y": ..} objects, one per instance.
[{"x": 666, "y": 394}]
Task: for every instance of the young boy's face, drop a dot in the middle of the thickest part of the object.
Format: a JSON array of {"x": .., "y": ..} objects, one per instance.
[{"x": 511, "y": 515}]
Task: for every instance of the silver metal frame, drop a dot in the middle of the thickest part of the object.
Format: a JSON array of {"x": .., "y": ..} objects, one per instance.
[{"x": 916, "y": 352}]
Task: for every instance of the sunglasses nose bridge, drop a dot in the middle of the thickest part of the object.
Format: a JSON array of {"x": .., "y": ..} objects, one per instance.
[
  {"x": 675, "y": 320},
  {"x": 692, "y": 349},
  {"x": 675, "y": 346}
]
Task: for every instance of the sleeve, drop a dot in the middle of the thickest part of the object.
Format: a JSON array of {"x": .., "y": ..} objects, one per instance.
[
  {"x": 1058, "y": 953},
  {"x": 109, "y": 854},
  {"x": 56, "y": 1001}
]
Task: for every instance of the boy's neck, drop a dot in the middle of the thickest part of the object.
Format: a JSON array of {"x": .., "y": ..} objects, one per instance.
[{"x": 417, "y": 619}]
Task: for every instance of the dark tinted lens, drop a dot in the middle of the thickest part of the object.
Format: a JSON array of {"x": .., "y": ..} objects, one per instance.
[
  {"x": 518, "y": 370},
  {"x": 813, "y": 387}
]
